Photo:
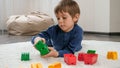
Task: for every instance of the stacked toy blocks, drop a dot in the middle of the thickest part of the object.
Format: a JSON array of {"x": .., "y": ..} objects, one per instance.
[
  {"x": 55, "y": 65},
  {"x": 70, "y": 59},
  {"x": 36, "y": 65},
  {"x": 42, "y": 48},
  {"x": 25, "y": 57},
  {"x": 89, "y": 58},
  {"x": 112, "y": 55}
]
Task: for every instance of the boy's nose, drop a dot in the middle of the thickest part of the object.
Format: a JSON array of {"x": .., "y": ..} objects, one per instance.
[{"x": 61, "y": 23}]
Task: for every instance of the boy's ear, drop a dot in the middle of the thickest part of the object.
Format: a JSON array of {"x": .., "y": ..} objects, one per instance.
[{"x": 76, "y": 17}]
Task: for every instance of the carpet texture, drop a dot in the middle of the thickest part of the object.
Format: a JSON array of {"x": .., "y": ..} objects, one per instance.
[{"x": 10, "y": 55}]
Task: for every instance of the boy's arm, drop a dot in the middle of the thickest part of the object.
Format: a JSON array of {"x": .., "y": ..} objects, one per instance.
[
  {"x": 69, "y": 49},
  {"x": 45, "y": 34}
]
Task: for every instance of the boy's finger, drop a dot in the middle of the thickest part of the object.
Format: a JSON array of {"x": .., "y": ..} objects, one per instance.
[
  {"x": 45, "y": 56},
  {"x": 43, "y": 40},
  {"x": 51, "y": 48}
]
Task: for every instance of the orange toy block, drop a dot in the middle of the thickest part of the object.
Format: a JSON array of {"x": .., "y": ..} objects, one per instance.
[
  {"x": 55, "y": 65},
  {"x": 36, "y": 65},
  {"x": 109, "y": 55},
  {"x": 115, "y": 56},
  {"x": 112, "y": 55}
]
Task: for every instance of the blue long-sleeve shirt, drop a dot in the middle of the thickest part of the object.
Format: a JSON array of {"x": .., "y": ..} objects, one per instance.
[{"x": 63, "y": 42}]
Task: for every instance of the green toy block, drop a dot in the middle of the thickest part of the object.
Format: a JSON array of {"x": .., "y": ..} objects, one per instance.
[
  {"x": 42, "y": 48},
  {"x": 91, "y": 51},
  {"x": 25, "y": 56}
]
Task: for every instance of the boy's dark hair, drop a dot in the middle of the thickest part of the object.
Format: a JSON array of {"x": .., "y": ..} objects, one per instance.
[{"x": 69, "y": 6}]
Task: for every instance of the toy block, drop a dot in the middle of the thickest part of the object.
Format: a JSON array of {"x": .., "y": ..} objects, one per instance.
[
  {"x": 90, "y": 58},
  {"x": 25, "y": 57},
  {"x": 36, "y": 65},
  {"x": 81, "y": 56},
  {"x": 55, "y": 65},
  {"x": 109, "y": 55},
  {"x": 91, "y": 51},
  {"x": 115, "y": 56},
  {"x": 42, "y": 48},
  {"x": 70, "y": 59},
  {"x": 112, "y": 55}
]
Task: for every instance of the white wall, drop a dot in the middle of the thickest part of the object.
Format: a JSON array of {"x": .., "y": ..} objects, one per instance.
[
  {"x": 2, "y": 13},
  {"x": 19, "y": 7},
  {"x": 12, "y": 7},
  {"x": 46, "y": 6},
  {"x": 87, "y": 16},
  {"x": 96, "y": 15},
  {"x": 100, "y": 15},
  {"x": 114, "y": 15}
]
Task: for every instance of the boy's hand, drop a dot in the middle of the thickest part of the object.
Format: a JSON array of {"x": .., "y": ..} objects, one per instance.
[
  {"x": 52, "y": 53},
  {"x": 38, "y": 39}
]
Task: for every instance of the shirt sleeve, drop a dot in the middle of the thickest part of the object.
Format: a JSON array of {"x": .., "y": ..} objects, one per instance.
[{"x": 44, "y": 34}]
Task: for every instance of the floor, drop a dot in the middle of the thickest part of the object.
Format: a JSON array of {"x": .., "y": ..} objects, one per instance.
[
  {"x": 16, "y": 49},
  {"x": 102, "y": 37},
  {"x": 5, "y": 38}
]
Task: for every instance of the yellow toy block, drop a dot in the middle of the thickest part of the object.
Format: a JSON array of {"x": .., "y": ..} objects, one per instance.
[
  {"x": 115, "y": 56},
  {"x": 55, "y": 65},
  {"x": 112, "y": 55},
  {"x": 33, "y": 66},
  {"x": 37, "y": 65}
]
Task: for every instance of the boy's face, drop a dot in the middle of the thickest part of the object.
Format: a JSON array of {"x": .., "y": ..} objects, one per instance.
[{"x": 65, "y": 21}]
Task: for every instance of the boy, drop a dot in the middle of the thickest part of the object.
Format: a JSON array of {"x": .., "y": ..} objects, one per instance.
[{"x": 66, "y": 36}]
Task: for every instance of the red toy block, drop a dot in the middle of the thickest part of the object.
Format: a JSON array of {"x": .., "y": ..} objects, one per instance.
[
  {"x": 81, "y": 56},
  {"x": 70, "y": 59},
  {"x": 90, "y": 58}
]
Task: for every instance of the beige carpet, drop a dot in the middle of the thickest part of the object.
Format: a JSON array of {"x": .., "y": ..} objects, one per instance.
[{"x": 10, "y": 55}]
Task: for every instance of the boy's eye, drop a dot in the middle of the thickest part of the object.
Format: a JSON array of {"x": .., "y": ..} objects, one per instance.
[
  {"x": 64, "y": 17},
  {"x": 58, "y": 18},
  {"x": 61, "y": 18}
]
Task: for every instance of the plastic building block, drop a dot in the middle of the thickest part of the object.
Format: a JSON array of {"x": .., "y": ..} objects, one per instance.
[
  {"x": 115, "y": 56},
  {"x": 70, "y": 59},
  {"x": 87, "y": 58},
  {"x": 25, "y": 57},
  {"x": 112, "y": 55},
  {"x": 55, "y": 65},
  {"x": 90, "y": 58},
  {"x": 91, "y": 51},
  {"x": 81, "y": 56},
  {"x": 42, "y": 48},
  {"x": 109, "y": 55},
  {"x": 36, "y": 65}
]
